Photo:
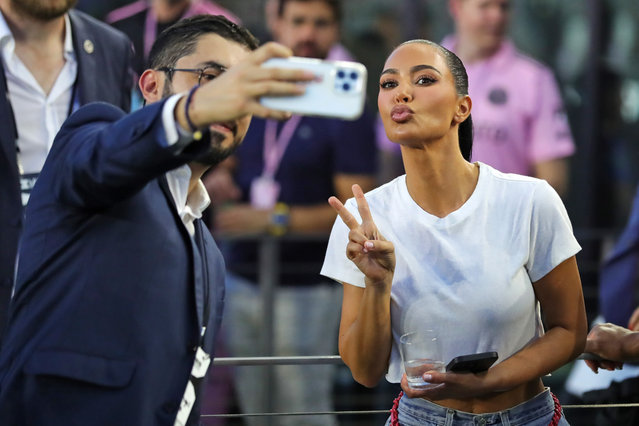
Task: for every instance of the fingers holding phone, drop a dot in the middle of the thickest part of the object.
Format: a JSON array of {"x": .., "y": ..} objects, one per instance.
[
  {"x": 237, "y": 90},
  {"x": 338, "y": 89},
  {"x": 464, "y": 376},
  {"x": 473, "y": 363}
]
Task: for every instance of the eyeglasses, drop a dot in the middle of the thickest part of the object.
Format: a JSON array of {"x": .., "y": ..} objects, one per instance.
[{"x": 208, "y": 73}]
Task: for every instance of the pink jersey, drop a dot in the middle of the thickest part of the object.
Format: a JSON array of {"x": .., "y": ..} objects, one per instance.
[
  {"x": 518, "y": 115},
  {"x": 196, "y": 7}
]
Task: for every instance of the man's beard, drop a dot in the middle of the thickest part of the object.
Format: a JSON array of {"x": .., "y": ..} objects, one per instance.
[
  {"x": 215, "y": 154},
  {"x": 44, "y": 10}
]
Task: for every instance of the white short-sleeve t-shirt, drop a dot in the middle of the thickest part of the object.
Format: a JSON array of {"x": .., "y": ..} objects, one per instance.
[{"x": 468, "y": 275}]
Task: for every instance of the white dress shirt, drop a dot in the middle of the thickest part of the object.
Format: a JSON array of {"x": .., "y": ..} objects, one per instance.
[
  {"x": 189, "y": 206},
  {"x": 38, "y": 115}
]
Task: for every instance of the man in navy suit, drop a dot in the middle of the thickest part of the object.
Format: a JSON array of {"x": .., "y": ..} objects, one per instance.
[
  {"x": 52, "y": 60},
  {"x": 119, "y": 300}
]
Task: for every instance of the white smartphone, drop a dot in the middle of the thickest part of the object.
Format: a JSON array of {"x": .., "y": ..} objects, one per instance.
[{"x": 339, "y": 90}]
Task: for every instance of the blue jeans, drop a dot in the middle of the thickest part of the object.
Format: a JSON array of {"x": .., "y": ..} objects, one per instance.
[{"x": 537, "y": 411}]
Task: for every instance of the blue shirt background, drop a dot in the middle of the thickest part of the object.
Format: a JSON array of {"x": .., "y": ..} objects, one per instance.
[{"x": 319, "y": 149}]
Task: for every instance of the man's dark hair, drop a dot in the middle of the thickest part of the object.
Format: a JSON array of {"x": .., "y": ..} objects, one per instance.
[
  {"x": 180, "y": 39},
  {"x": 334, "y": 4}
]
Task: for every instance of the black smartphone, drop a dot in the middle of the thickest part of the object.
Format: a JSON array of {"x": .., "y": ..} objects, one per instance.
[
  {"x": 473, "y": 363},
  {"x": 592, "y": 357}
]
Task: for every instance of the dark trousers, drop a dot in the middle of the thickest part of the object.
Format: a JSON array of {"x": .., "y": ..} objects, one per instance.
[{"x": 626, "y": 391}]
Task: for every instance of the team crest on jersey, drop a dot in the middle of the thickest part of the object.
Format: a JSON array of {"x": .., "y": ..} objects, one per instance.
[{"x": 498, "y": 96}]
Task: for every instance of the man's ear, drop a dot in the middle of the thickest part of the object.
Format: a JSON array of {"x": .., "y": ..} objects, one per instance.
[
  {"x": 464, "y": 105},
  {"x": 151, "y": 85}
]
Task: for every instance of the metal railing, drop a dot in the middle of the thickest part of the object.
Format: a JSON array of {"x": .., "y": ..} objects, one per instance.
[
  {"x": 335, "y": 359},
  {"x": 268, "y": 271}
]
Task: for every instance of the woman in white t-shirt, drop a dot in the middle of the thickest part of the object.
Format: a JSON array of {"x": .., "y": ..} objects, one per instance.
[{"x": 459, "y": 248}]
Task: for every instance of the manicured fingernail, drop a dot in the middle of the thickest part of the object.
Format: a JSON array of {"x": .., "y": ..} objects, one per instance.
[
  {"x": 427, "y": 377},
  {"x": 368, "y": 245}
]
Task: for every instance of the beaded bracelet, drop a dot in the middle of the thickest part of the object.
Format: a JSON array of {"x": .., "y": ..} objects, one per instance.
[{"x": 197, "y": 134}]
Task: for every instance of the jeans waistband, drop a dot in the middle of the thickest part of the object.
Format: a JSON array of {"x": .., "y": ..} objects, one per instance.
[{"x": 421, "y": 411}]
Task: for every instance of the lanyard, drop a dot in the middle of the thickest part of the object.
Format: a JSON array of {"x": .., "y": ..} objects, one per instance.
[
  {"x": 151, "y": 27},
  {"x": 274, "y": 147},
  {"x": 150, "y": 31}
]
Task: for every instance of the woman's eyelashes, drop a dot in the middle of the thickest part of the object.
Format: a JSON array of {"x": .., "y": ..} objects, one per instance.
[
  {"x": 424, "y": 80},
  {"x": 387, "y": 84}
]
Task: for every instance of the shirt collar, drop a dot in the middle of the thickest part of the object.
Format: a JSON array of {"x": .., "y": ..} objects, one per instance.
[
  {"x": 5, "y": 32},
  {"x": 68, "y": 36},
  {"x": 196, "y": 201}
]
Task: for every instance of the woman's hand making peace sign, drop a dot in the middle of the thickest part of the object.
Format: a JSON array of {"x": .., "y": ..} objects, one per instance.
[{"x": 367, "y": 248}]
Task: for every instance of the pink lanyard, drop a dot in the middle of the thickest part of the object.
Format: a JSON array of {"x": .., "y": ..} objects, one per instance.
[
  {"x": 274, "y": 147},
  {"x": 150, "y": 31}
]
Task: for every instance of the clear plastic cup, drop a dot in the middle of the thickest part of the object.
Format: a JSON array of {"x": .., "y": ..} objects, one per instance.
[{"x": 421, "y": 352}]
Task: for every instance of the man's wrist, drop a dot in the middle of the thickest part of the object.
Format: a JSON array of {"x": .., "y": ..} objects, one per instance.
[
  {"x": 280, "y": 219},
  {"x": 187, "y": 106},
  {"x": 175, "y": 133},
  {"x": 182, "y": 122},
  {"x": 631, "y": 347},
  {"x": 179, "y": 113}
]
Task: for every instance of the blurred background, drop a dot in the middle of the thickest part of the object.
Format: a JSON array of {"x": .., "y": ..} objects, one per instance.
[{"x": 593, "y": 48}]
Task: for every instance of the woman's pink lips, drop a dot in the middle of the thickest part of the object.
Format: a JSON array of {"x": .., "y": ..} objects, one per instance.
[{"x": 401, "y": 113}]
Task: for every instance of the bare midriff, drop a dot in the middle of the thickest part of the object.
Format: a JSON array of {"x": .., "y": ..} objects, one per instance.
[{"x": 497, "y": 401}]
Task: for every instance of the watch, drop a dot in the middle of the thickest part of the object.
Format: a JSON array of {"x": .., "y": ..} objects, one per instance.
[{"x": 279, "y": 219}]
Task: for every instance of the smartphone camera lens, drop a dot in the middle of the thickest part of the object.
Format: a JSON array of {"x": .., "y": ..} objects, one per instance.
[{"x": 346, "y": 80}]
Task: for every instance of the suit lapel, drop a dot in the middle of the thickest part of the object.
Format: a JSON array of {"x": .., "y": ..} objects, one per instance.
[
  {"x": 8, "y": 131},
  {"x": 196, "y": 246},
  {"x": 84, "y": 46},
  {"x": 164, "y": 185},
  {"x": 201, "y": 277}
]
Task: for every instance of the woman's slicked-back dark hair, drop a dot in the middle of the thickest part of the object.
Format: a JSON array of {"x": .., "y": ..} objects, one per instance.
[
  {"x": 180, "y": 39},
  {"x": 460, "y": 78}
]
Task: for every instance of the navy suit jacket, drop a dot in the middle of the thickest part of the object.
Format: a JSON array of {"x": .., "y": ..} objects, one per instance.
[
  {"x": 104, "y": 74},
  {"x": 111, "y": 290},
  {"x": 618, "y": 289}
]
